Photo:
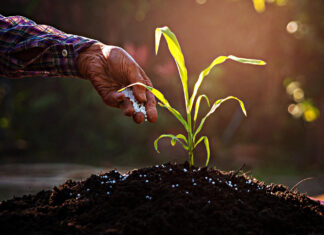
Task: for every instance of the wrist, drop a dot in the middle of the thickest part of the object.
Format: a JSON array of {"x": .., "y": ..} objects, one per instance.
[{"x": 90, "y": 60}]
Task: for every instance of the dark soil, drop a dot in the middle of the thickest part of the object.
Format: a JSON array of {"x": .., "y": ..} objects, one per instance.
[{"x": 164, "y": 199}]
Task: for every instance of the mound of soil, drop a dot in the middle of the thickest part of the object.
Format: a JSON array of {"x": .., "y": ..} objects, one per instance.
[{"x": 164, "y": 199}]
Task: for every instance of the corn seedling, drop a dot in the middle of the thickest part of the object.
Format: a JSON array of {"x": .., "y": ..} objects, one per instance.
[{"x": 190, "y": 142}]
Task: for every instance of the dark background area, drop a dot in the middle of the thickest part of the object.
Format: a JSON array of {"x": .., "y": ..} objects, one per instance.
[{"x": 64, "y": 120}]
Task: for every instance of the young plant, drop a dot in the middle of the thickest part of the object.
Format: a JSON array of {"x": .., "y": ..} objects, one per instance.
[{"x": 190, "y": 142}]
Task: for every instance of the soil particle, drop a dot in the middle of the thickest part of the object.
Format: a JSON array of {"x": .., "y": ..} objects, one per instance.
[{"x": 164, "y": 199}]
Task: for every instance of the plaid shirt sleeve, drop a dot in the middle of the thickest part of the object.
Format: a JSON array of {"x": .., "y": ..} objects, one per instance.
[{"x": 59, "y": 50}]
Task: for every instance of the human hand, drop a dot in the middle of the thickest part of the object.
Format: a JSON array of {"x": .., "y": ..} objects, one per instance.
[{"x": 110, "y": 68}]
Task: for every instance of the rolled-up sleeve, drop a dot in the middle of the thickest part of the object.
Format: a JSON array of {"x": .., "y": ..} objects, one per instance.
[{"x": 58, "y": 54}]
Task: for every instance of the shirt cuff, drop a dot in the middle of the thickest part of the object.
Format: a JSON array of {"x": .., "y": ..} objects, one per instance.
[{"x": 64, "y": 56}]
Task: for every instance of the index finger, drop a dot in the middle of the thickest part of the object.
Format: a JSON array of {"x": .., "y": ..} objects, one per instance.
[
  {"x": 139, "y": 91},
  {"x": 150, "y": 105}
]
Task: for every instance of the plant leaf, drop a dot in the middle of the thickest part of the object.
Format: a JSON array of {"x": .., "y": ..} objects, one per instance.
[
  {"x": 219, "y": 60},
  {"x": 198, "y": 142},
  {"x": 174, "y": 139},
  {"x": 176, "y": 52},
  {"x": 213, "y": 109},
  {"x": 198, "y": 105},
  {"x": 164, "y": 103},
  {"x": 180, "y": 136},
  {"x": 158, "y": 34},
  {"x": 247, "y": 61},
  {"x": 206, "y": 141}
]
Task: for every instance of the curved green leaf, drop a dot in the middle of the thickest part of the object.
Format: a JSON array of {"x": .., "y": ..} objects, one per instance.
[
  {"x": 219, "y": 60},
  {"x": 174, "y": 139},
  {"x": 198, "y": 105},
  {"x": 176, "y": 52},
  {"x": 180, "y": 136},
  {"x": 206, "y": 141},
  {"x": 247, "y": 61},
  {"x": 213, "y": 109},
  {"x": 198, "y": 142}
]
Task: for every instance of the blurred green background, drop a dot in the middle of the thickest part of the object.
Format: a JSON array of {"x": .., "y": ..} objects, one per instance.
[{"x": 51, "y": 120}]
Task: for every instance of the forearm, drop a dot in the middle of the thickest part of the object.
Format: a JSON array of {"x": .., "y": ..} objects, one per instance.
[{"x": 28, "y": 49}]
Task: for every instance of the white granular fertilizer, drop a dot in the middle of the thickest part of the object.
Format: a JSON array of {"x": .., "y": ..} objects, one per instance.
[{"x": 138, "y": 107}]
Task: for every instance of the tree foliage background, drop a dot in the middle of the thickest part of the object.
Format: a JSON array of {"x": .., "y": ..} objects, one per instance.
[{"x": 63, "y": 119}]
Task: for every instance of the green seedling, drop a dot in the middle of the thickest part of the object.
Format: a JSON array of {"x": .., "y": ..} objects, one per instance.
[{"x": 190, "y": 142}]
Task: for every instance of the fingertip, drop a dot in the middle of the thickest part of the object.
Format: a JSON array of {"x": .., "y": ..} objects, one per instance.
[
  {"x": 152, "y": 115},
  {"x": 139, "y": 117}
]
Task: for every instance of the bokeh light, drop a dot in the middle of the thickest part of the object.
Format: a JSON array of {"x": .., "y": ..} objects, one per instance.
[
  {"x": 4, "y": 123},
  {"x": 281, "y": 2},
  {"x": 259, "y": 5},
  {"x": 201, "y": 2},
  {"x": 291, "y": 87},
  {"x": 303, "y": 107},
  {"x": 292, "y": 27},
  {"x": 295, "y": 110},
  {"x": 298, "y": 95},
  {"x": 311, "y": 115}
]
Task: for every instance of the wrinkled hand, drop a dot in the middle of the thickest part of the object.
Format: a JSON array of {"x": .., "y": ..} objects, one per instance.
[{"x": 110, "y": 68}]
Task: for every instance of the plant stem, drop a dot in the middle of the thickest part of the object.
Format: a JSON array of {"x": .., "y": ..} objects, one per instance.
[
  {"x": 190, "y": 141},
  {"x": 191, "y": 160}
]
